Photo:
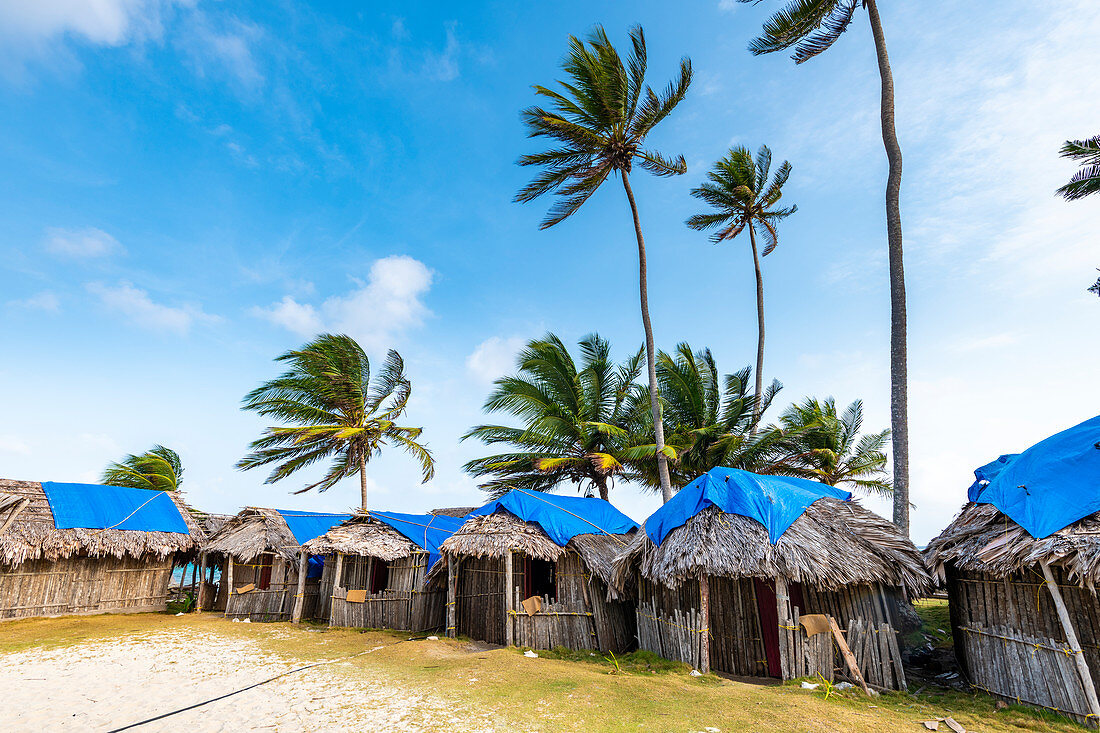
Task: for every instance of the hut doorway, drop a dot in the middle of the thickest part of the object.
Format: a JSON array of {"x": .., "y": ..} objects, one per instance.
[
  {"x": 539, "y": 578},
  {"x": 264, "y": 582},
  {"x": 769, "y": 619}
]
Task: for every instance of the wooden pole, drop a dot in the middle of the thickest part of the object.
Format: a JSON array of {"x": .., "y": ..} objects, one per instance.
[
  {"x": 846, "y": 652},
  {"x": 452, "y": 580},
  {"x": 228, "y": 584},
  {"x": 509, "y": 601},
  {"x": 782, "y": 612},
  {"x": 23, "y": 504},
  {"x": 338, "y": 573},
  {"x": 300, "y": 597},
  {"x": 200, "y": 596},
  {"x": 1075, "y": 646},
  {"x": 704, "y": 616}
]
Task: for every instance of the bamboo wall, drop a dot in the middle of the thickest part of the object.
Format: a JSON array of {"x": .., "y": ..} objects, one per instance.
[
  {"x": 81, "y": 585},
  {"x": 405, "y": 604},
  {"x": 276, "y": 603},
  {"x": 1011, "y": 644},
  {"x": 579, "y": 617},
  {"x": 670, "y": 623}
]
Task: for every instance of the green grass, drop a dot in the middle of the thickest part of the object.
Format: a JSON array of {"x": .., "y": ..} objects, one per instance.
[
  {"x": 935, "y": 621},
  {"x": 561, "y": 690}
]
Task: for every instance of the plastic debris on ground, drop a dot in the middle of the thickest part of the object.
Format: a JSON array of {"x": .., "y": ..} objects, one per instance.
[
  {"x": 530, "y": 654},
  {"x": 843, "y": 686},
  {"x": 433, "y": 638},
  {"x": 695, "y": 673},
  {"x": 810, "y": 685}
]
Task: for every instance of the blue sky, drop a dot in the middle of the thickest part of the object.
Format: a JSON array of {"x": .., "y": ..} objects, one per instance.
[{"x": 191, "y": 188}]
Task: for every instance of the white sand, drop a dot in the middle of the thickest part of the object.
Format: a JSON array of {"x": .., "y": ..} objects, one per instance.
[{"x": 102, "y": 685}]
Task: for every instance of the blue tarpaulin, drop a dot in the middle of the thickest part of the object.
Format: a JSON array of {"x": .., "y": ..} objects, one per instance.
[
  {"x": 93, "y": 506},
  {"x": 774, "y": 501},
  {"x": 1049, "y": 486},
  {"x": 307, "y": 525},
  {"x": 561, "y": 517},
  {"x": 427, "y": 531}
]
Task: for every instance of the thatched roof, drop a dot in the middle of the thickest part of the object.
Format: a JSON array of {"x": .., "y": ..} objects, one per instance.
[
  {"x": 453, "y": 511},
  {"x": 495, "y": 534},
  {"x": 252, "y": 532},
  {"x": 984, "y": 539},
  {"x": 32, "y": 534},
  {"x": 365, "y": 536},
  {"x": 833, "y": 544}
]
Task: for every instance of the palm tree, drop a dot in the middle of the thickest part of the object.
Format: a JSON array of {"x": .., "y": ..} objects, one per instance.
[
  {"x": 1086, "y": 181},
  {"x": 711, "y": 420},
  {"x": 158, "y": 468},
  {"x": 573, "y": 419},
  {"x": 827, "y": 447},
  {"x": 811, "y": 27},
  {"x": 739, "y": 191},
  {"x": 336, "y": 411},
  {"x": 598, "y": 123}
]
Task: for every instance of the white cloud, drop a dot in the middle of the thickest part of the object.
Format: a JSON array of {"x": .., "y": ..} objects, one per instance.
[
  {"x": 443, "y": 66},
  {"x": 389, "y": 303},
  {"x": 12, "y": 444},
  {"x": 102, "y": 22},
  {"x": 80, "y": 243},
  {"x": 493, "y": 358},
  {"x": 216, "y": 47},
  {"x": 727, "y": 6},
  {"x": 136, "y": 305},
  {"x": 44, "y": 301}
]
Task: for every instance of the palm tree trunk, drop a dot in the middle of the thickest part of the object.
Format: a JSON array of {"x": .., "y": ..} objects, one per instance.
[
  {"x": 602, "y": 484},
  {"x": 899, "y": 408},
  {"x": 363, "y": 482},
  {"x": 759, "y": 330},
  {"x": 654, "y": 395}
]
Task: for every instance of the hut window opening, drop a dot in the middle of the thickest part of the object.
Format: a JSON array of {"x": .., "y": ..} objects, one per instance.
[
  {"x": 265, "y": 572},
  {"x": 380, "y": 576},
  {"x": 539, "y": 579}
]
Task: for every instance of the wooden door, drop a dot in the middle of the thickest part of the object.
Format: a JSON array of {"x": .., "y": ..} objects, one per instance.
[{"x": 769, "y": 619}]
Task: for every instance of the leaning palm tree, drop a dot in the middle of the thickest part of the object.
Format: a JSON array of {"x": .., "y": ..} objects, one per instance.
[
  {"x": 1086, "y": 181},
  {"x": 158, "y": 468},
  {"x": 572, "y": 419},
  {"x": 828, "y": 447},
  {"x": 711, "y": 420},
  {"x": 811, "y": 27},
  {"x": 743, "y": 198},
  {"x": 598, "y": 123},
  {"x": 335, "y": 412}
]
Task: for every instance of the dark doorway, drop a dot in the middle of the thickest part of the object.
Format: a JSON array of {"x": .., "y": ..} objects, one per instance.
[
  {"x": 769, "y": 619},
  {"x": 265, "y": 572},
  {"x": 539, "y": 579},
  {"x": 380, "y": 576}
]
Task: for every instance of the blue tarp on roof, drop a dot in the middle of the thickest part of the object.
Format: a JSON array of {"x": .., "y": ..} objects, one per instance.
[
  {"x": 1049, "y": 486},
  {"x": 307, "y": 525},
  {"x": 427, "y": 531},
  {"x": 774, "y": 501},
  {"x": 561, "y": 517},
  {"x": 93, "y": 506}
]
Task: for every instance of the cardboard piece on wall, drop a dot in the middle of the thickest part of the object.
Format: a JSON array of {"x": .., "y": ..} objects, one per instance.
[
  {"x": 356, "y": 596},
  {"x": 246, "y": 588},
  {"x": 532, "y": 605},
  {"x": 814, "y": 623}
]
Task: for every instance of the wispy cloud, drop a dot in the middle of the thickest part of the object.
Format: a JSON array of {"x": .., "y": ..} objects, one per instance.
[
  {"x": 44, "y": 301},
  {"x": 80, "y": 243},
  {"x": 136, "y": 305},
  {"x": 375, "y": 313},
  {"x": 217, "y": 46},
  {"x": 493, "y": 358},
  {"x": 443, "y": 65},
  {"x": 14, "y": 445}
]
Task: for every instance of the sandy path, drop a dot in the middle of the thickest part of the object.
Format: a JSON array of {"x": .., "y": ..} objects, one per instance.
[{"x": 102, "y": 685}]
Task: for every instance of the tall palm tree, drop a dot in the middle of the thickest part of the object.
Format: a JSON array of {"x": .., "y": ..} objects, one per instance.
[
  {"x": 335, "y": 412},
  {"x": 811, "y": 27},
  {"x": 598, "y": 123},
  {"x": 158, "y": 468},
  {"x": 1086, "y": 181},
  {"x": 573, "y": 419},
  {"x": 828, "y": 447},
  {"x": 710, "y": 419},
  {"x": 742, "y": 197}
]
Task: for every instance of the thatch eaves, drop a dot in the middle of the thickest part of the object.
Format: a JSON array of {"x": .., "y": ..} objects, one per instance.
[
  {"x": 496, "y": 534},
  {"x": 833, "y": 544},
  {"x": 453, "y": 511},
  {"x": 31, "y": 535},
  {"x": 252, "y": 532},
  {"x": 365, "y": 536},
  {"x": 984, "y": 539}
]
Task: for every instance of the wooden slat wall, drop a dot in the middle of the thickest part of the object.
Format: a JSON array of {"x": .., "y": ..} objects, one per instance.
[
  {"x": 277, "y": 602},
  {"x": 404, "y": 605},
  {"x": 79, "y": 585},
  {"x": 479, "y": 599}
]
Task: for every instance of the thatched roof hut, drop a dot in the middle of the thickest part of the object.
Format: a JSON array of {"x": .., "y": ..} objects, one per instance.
[
  {"x": 533, "y": 569},
  {"x": 1020, "y": 564},
  {"x": 110, "y": 569},
  {"x": 718, "y": 588},
  {"x": 258, "y": 553},
  {"x": 381, "y": 562}
]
